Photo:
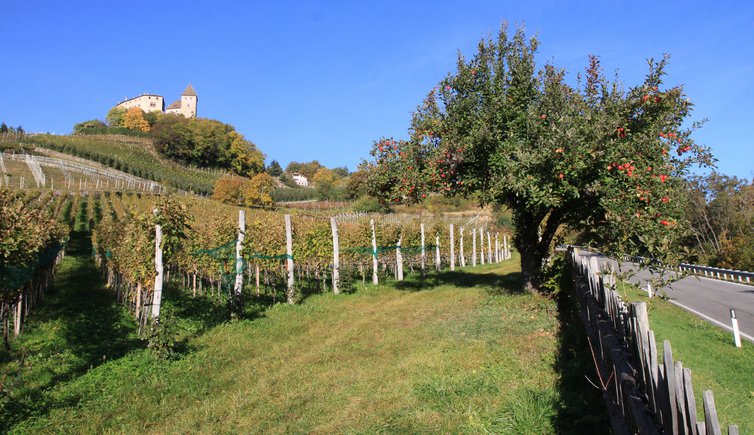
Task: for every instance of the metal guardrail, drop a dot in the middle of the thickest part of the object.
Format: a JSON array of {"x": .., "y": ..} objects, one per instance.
[{"x": 718, "y": 273}]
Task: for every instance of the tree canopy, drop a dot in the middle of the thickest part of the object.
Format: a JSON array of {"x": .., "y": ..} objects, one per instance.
[
  {"x": 596, "y": 157},
  {"x": 206, "y": 143}
]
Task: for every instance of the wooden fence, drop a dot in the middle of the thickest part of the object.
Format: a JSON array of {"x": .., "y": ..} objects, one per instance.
[{"x": 642, "y": 395}]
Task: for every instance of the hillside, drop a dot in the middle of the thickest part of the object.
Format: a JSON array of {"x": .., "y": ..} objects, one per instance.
[{"x": 130, "y": 154}]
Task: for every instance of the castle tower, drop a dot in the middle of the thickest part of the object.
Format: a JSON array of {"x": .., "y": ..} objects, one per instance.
[
  {"x": 188, "y": 102},
  {"x": 186, "y": 105}
]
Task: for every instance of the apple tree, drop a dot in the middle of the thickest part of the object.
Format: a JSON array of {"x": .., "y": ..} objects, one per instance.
[{"x": 607, "y": 161}]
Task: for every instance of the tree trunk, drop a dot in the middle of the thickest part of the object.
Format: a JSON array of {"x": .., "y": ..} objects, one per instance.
[{"x": 532, "y": 246}]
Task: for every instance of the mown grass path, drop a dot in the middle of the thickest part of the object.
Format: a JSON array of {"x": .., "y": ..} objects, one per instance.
[
  {"x": 78, "y": 327},
  {"x": 456, "y": 352}
]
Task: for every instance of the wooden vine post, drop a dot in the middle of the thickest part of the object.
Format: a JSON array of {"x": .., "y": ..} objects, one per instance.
[
  {"x": 452, "y": 250},
  {"x": 335, "y": 257},
  {"x": 289, "y": 258},
  {"x": 157, "y": 295},
  {"x": 239, "y": 249},
  {"x": 505, "y": 247},
  {"x": 473, "y": 247},
  {"x": 375, "y": 279}
]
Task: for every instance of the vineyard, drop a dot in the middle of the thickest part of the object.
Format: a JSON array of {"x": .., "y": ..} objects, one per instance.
[
  {"x": 281, "y": 258},
  {"x": 34, "y": 229},
  {"x": 130, "y": 154}
]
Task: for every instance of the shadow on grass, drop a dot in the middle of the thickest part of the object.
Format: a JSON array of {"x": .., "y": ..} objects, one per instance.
[
  {"x": 509, "y": 283},
  {"x": 581, "y": 409},
  {"x": 80, "y": 326}
]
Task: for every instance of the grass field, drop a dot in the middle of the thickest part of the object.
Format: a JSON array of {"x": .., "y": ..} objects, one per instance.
[
  {"x": 456, "y": 352},
  {"x": 715, "y": 363}
]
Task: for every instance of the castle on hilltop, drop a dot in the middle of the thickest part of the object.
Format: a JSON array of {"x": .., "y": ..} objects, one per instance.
[{"x": 186, "y": 105}]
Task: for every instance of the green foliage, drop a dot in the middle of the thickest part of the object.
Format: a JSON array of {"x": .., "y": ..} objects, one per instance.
[
  {"x": 720, "y": 212},
  {"x": 307, "y": 169},
  {"x": 161, "y": 337},
  {"x": 288, "y": 194},
  {"x": 83, "y": 127},
  {"x": 274, "y": 169},
  {"x": 116, "y": 117},
  {"x": 369, "y": 204},
  {"x": 206, "y": 143},
  {"x": 593, "y": 157}
]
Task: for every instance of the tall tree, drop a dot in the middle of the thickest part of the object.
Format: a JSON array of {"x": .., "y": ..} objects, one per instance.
[
  {"x": 275, "y": 170},
  {"x": 134, "y": 120},
  {"x": 596, "y": 158}
]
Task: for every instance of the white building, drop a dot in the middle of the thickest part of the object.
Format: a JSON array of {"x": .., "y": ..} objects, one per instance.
[
  {"x": 186, "y": 105},
  {"x": 299, "y": 179}
]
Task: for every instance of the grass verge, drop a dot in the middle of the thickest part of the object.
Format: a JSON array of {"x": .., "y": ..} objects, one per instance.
[{"x": 715, "y": 363}]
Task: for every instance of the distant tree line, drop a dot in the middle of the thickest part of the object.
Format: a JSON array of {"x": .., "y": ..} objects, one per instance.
[{"x": 720, "y": 211}]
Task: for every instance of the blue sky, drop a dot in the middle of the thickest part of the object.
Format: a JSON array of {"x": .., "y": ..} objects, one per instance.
[{"x": 322, "y": 80}]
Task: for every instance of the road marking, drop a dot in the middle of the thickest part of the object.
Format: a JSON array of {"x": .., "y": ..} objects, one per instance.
[{"x": 718, "y": 323}]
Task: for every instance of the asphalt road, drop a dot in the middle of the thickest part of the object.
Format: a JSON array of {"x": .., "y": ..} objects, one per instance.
[{"x": 709, "y": 299}]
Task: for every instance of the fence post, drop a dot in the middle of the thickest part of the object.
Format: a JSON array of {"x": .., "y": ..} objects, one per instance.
[
  {"x": 289, "y": 257},
  {"x": 335, "y": 256},
  {"x": 157, "y": 295},
  {"x": 375, "y": 279},
  {"x": 506, "y": 255},
  {"x": 239, "y": 249},
  {"x": 452, "y": 249}
]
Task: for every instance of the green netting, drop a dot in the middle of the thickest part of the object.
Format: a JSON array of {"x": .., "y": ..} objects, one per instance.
[
  {"x": 226, "y": 254},
  {"x": 15, "y": 277}
]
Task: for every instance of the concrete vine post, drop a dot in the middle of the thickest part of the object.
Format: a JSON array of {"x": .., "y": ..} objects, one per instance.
[
  {"x": 289, "y": 258},
  {"x": 238, "y": 287},
  {"x": 375, "y": 279},
  {"x": 438, "y": 264},
  {"x": 489, "y": 247},
  {"x": 424, "y": 253},
  {"x": 473, "y": 247},
  {"x": 157, "y": 295},
  {"x": 481, "y": 246},
  {"x": 399, "y": 258},
  {"x": 452, "y": 249},
  {"x": 335, "y": 256},
  {"x": 460, "y": 246},
  {"x": 497, "y": 249}
]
